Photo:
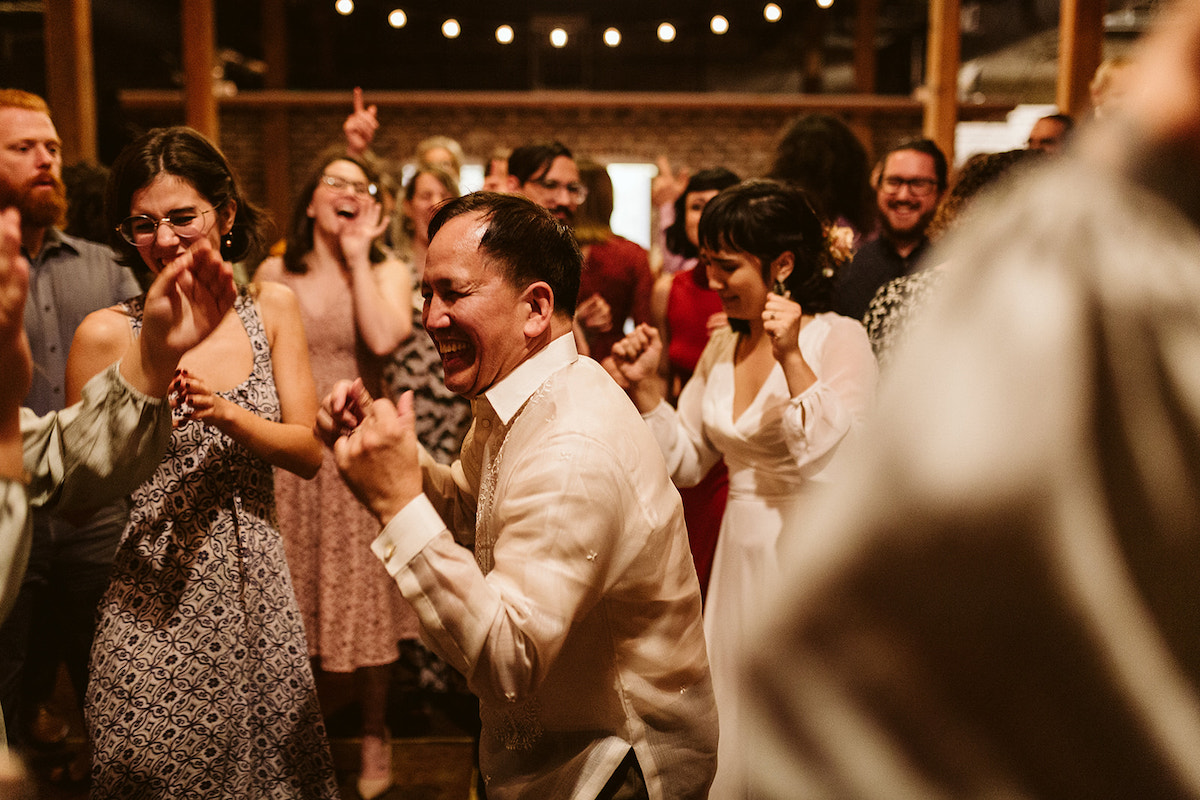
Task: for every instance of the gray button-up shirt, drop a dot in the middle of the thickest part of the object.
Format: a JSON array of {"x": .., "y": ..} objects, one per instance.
[{"x": 68, "y": 280}]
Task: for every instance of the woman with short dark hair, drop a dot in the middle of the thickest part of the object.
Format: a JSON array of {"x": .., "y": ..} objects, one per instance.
[{"x": 775, "y": 394}]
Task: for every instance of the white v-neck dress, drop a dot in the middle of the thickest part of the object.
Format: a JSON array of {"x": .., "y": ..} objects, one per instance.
[{"x": 777, "y": 452}]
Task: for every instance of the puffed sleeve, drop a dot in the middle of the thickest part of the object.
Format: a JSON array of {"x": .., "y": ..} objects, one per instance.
[
  {"x": 99, "y": 449},
  {"x": 817, "y": 420}
]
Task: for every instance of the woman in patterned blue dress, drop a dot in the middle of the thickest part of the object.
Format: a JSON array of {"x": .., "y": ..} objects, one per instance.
[{"x": 200, "y": 681}]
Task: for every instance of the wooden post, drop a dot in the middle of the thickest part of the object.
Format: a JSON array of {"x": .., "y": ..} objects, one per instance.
[
  {"x": 276, "y": 168},
  {"x": 866, "y": 22},
  {"x": 70, "y": 76},
  {"x": 1080, "y": 42},
  {"x": 941, "y": 74},
  {"x": 199, "y": 58}
]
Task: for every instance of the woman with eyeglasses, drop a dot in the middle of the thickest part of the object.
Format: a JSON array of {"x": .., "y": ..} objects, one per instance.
[
  {"x": 775, "y": 394},
  {"x": 200, "y": 681},
  {"x": 355, "y": 302}
]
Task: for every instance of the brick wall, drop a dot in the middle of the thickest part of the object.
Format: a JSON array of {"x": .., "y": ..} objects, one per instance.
[{"x": 696, "y": 131}]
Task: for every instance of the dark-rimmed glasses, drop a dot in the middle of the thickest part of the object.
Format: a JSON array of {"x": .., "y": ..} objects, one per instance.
[
  {"x": 921, "y": 187},
  {"x": 577, "y": 191}
]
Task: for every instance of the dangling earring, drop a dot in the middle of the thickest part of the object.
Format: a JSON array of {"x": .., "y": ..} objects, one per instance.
[
  {"x": 781, "y": 290},
  {"x": 227, "y": 241}
]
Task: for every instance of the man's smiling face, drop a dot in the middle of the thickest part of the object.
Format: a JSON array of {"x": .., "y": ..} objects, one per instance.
[{"x": 471, "y": 311}]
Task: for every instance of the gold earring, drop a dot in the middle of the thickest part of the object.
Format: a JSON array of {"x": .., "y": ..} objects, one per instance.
[{"x": 781, "y": 290}]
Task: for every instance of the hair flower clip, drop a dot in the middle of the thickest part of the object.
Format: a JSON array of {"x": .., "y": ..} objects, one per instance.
[{"x": 839, "y": 241}]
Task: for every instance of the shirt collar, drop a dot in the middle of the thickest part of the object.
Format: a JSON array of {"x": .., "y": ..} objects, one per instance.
[
  {"x": 511, "y": 392},
  {"x": 52, "y": 240}
]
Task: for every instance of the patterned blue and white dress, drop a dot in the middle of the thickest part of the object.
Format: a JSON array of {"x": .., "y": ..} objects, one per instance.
[{"x": 200, "y": 681}]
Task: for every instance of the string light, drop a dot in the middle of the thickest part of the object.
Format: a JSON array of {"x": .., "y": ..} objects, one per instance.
[{"x": 612, "y": 37}]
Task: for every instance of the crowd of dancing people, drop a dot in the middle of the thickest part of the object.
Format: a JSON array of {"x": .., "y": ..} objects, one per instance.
[{"x": 697, "y": 520}]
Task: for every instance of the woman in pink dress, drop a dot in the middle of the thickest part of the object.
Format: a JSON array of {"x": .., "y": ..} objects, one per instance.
[{"x": 355, "y": 304}]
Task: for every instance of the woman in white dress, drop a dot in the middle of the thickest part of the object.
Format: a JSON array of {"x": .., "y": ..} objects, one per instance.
[{"x": 775, "y": 394}]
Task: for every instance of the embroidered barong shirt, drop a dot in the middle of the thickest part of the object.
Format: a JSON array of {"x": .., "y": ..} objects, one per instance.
[{"x": 577, "y": 618}]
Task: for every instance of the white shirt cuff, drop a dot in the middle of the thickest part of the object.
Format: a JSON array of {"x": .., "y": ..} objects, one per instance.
[{"x": 407, "y": 534}]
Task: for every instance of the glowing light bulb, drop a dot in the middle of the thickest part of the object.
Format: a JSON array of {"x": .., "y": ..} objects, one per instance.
[
  {"x": 612, "y": 37},
  {"x": 772, "y": 12},
  {"x": 451, "y": 29},
  {"x": 397, "y": 19},
  {"x": 666, "y": 32},
  {"x": 719, "y": 25},
  {"x": 824, "y": 3},
  {"x": 344, "y": 7},
  {"x": 558, "y": 37},
  {"x": 504, "y": 34}
]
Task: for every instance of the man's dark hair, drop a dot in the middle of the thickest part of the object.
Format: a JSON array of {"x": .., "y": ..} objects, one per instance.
[
  {"x": 533, "y": 159},
  {"x": 85, "y": 183},
  {"x": 187, "y": 154},
  {"x": 1066, "y": 120},
  {"x": 706, "y": 180},
  {"x": 926, "y": 146},
  {"x": 767, "y": 218},
  {"x": 526, "y": 241}
]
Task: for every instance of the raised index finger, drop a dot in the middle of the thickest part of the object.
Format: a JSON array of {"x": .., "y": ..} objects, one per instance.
[{"x": 358, "y": 100}]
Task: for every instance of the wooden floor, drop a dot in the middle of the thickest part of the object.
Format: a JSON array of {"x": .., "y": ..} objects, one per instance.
[{"x": 433, "y": 745}]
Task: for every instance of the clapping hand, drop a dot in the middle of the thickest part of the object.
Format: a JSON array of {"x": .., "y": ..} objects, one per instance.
[
  {"x": 186, "y": 302},
  {"x": 667, "y": 185},
  {"x": 594, "y": 314},
  {"x": 357, "y": 234},
  {"x": 16, "y": 362}
]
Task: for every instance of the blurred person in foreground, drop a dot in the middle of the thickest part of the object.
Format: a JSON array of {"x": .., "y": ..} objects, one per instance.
[{"x": 1002, "y": 601}]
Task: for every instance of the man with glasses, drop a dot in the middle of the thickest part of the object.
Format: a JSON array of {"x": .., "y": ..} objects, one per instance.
[
  {"x": 617, "y": 281},
  {"x": 909, "y": 181},
  {"x": 68, "y": 279},
  {"x": 546, "y": 173}
]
